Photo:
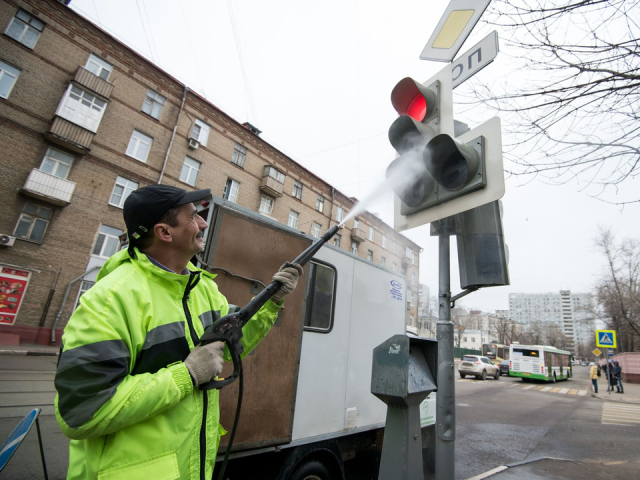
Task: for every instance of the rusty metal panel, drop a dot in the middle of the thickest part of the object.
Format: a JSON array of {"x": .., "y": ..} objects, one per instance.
[
  {"x": 93, "y": 82},
  {"x": 249, "y": 248}
]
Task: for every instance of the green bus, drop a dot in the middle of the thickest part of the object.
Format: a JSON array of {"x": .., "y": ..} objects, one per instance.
[{"x": 540, "y": 363}]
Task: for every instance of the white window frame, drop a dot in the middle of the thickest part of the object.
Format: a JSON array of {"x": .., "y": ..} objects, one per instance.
[
  {"x": 394, "y": 267},
  {"x": 110, "y": 239},
  {"x": 315, "y": 229},
  {"x": 383, "y": 261},
  {"x": 56, "y": 163},
  {"x": 370, "y": 255},
  {"x": 356, "y": 223},
  {"x": 8, "y": 71},
  {"x": 411, "y": 320},
  {"x": 127, "y": 186},
  {"x": 266, "y": 205},
  {"x": 153, "y": 104},
  {"x": 339, "y": 215},
  {"x": 384, "y": 242},
  {"x": 239, "y": 155},
  {"x": 293, "y": 219},
  {"x": 337, "y": 238},
  {"x": 28, "y": 22},
  {"x": 234, "y": 189},
  {"x": 190, "y": 171},
  {"x": 137, "y": 142},
  {"x": 297, "y": 190},
  {"x": 372, "y": 234},
  {"x": 354, "y": 248},
  {"x": 33, "y": 219},
  {"x": 413, "y": 278},
  {"x": 73, "y": 108},
  {"x": 320, "y": 203},
  {"x": 99, "y": 67},
  {"x": 200, "y": 132},
  {"x": 85, "y": 286},
  {"x": 273, "y": 172}
]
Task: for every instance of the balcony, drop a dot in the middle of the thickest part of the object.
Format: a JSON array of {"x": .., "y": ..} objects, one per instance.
[
  {"x": 357, "y": 235},
  {"x": 271, "y": 186},
  {"x": 406, "y": 261},
  {"x": 49, "y": 188},
  {"x": 69, "y": 135},
  {"x": 93, "y": 82}
]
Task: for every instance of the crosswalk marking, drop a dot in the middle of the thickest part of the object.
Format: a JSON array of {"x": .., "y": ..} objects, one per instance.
[
  {"x": 564, "y": 390},
  {"x": 528, "y": 387},
  {"x": 538, "y": 388},
  {"x": 554, "y": 390},
  {"x": 620, "y": 414},
  {"x": 573, "y": 391},
  {"x": 546, "y": 389},
  {"x": 582, "y": 392}
]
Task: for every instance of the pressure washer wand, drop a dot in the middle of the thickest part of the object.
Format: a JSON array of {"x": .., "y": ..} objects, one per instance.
[{"x": 228, "y": 329}]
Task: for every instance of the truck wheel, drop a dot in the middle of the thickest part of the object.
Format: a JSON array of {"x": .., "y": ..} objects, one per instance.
[
  {"x": 311, "y": 470},
  {"x": 484, "y": 375}
]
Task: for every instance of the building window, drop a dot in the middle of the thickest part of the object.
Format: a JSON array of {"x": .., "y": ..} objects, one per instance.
[
  {"x": 393, "y": 267},
  {"x": 107, "y": 242},
  {"x": 384, "y": 242},
  {"x": 56, "y": 163},
  {"x": 25, "y": 28},
  {"x": 413, "y": 278},
  {"x": 464, "y": 339},
  {"x": 269, "y": 171},
  {"x": 409, "y": 298},
  {"x": 297, "y": 190},
  {"x": 84, "y": 287},
  {"x": 231, "y": 190},
  {"x": 33, "y": 222},
  {"x": 383, "y": 261},
  {"x": 121, "y": 190},
  {"x": 315, "y": 230},
  {"x": 82, "y": 108},
  {"x": 153, "y": 104},
  {"x": 139, "y": 146},
  {"x": 293, "y": 219},
  {"x": 370, "y": 255},
  {"x": 339, "y": 215},
  {"x": 336, "y": 240},
  {"x": 266, "y": 205},
  {"x": 356, "y": 223},
  {"x": 320, "y": 204},
  {"x": 239, "y": 155},
  {"x": 411, "y": 320},
  {"x": 372, "y": 234},
  {"x": 8, "y": 77},
  {"x": 99, "y": 67},
  {"x": 190, "y": 170},
  {"x": 200, "y": 132},
  {"x": 319, "y": 312},
  {"x": 354, "y": 248},
  {"x": 473, "y": 339}
]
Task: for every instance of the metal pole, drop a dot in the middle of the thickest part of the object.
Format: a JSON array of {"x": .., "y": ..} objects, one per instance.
[
  {"x": 445, "y": 399},
  {"x": 44, "y": 464}
]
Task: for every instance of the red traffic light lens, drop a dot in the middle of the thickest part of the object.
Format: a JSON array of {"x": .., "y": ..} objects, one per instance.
[{"x": 417, "y": 108}]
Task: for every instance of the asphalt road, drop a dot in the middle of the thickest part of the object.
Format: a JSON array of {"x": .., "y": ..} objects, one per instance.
[{"x": 498, "y": 422}]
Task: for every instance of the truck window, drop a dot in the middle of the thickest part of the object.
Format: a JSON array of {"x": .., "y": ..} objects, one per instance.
[{"x": 319, "y": 314}]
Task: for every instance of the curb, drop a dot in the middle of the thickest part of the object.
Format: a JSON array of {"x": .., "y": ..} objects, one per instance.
[
  {"x": 502, "y": 468},
  {"x": 31, "y": 353},
  {"x": 632, "y": 401}
]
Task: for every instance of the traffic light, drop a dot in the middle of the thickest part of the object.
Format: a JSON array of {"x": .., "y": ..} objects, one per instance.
[{"x": 437, "y": 174}]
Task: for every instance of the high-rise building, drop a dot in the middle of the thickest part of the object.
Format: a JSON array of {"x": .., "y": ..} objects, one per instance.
[{"x": 84, "y": 121}]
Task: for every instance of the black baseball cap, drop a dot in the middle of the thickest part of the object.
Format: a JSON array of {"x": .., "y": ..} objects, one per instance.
[{"x": 145, "y": 206}]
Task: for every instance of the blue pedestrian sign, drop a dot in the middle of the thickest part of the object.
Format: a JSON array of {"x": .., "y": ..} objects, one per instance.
[
  {"x": 606, "y": 338},
  {"x": 15, "y": 438}
]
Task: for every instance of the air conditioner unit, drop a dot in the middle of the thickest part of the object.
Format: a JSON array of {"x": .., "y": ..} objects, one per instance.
[
  {"x": 193, "y": 144},
  {"x": 6, "y": 240}
]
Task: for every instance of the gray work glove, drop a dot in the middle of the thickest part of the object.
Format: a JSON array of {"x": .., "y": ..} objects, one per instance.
[
  {"x": 287, "y": 275},
  {"x": 205, "y": 362}
]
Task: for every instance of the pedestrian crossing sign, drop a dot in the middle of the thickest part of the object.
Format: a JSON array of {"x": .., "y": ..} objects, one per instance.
[{"x": 606, "y": 338}]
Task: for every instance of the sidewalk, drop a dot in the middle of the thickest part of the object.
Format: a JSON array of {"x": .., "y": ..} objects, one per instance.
[
  {"x": 631, "y": 393},
  {"x": 30, "y": 349}
]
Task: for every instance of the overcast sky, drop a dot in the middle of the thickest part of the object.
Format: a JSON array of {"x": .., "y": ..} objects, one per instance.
[{"x": 316, "y": 78}]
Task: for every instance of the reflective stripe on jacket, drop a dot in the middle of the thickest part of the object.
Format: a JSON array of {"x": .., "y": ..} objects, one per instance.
[{"x": 125, "y": 397}]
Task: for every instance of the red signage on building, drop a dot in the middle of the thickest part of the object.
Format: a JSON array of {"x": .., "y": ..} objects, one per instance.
[{"x": 13, "y": 285}]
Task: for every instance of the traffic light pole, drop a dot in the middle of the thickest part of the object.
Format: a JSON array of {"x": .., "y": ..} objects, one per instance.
[{"x": 445, "y": 400}]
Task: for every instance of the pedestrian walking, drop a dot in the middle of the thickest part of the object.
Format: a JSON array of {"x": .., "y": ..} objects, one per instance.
[
  {"x": 617, "y": 375},
  {"x": 594, "y": 377}
]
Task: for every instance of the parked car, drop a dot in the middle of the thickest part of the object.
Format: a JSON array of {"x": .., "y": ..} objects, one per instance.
[
  {"x": 504, "y": 367},
  {"x": 479, "y": 367}
]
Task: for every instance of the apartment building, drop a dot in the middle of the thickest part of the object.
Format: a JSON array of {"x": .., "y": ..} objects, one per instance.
[{"x": 84, "y": 121}]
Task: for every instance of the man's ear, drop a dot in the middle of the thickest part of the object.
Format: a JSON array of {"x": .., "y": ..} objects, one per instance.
[{"x": 163, "y": 232}]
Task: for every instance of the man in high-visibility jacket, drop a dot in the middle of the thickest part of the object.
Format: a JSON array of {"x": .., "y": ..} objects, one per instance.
[{"x": 129, "y": 369}]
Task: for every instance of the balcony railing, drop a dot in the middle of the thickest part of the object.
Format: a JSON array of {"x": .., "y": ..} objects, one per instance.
[
  {"x": 271, "y": 186},
  {"x": 93, "y": 82},
  {"x": 69, "y": 135},
  {"x": 47, "y": 187},
  {"x": 357, "y": 235},
  {"x": 406, "y": 261}
]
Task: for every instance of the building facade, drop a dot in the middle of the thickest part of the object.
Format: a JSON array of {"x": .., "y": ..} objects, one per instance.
[
  {"x": 572, "y": 312},
  {"x": 84, "y": 121}
]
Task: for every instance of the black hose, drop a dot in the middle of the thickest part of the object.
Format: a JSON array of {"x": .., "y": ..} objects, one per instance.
[{"x": 235, "y": 425}]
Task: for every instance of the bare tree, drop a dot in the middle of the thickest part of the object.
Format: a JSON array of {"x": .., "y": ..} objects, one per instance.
[
  {"x": 618, "y": 292},
  {"x": 572, "y": 103},
  {"x": 460, "y": 320}
]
